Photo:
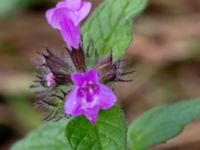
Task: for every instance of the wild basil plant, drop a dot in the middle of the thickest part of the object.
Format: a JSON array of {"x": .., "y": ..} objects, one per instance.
[{"x": 75, "y": 87}]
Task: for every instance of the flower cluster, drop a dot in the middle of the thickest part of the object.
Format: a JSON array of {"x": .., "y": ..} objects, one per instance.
[
  {"x": 85, "y": 92},
  {"x": 88, "y": 96}
]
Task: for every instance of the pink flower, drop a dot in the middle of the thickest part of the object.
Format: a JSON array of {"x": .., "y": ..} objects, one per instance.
[
  {"x": 51, "y": 83},
  {"x": 66, "y": 17},
  {"x": 88, "y": 96}
]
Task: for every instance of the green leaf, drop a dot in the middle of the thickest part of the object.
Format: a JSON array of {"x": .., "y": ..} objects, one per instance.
[
  {"x": 109, "y": 133},
  {"x": 49, "y": 136},
  {"x": 110, "y": 26},
  {"x": 160, "y": 124}
]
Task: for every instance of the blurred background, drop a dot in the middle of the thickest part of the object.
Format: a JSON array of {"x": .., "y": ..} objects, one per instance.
[{"x": 165, "y": 55}]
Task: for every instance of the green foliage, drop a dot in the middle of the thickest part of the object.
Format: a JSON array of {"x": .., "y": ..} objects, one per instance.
[
  {"x": 7, "y": 6},
  {"x": 108, "y": 134},
  {"x": 110, "y": 26},
  {"x": 160, "y": 124},
  {"x": 11, "y": 6},
  {"x": 50, "y": 136}
]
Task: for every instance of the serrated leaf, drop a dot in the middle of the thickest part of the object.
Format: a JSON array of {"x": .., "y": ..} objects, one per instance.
[
  {"x": 49, "y": 136},
  {"x": 109, "y": 133},
  {"x": 110, "y": 26},
  {"x": 160, "y": 124}
]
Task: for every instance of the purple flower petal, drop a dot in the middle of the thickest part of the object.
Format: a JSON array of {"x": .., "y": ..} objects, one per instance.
[
  {"x": 92, "y": 114},
  {"x": 77, "y": 79},
  {"x": 84, "y": 10},
  {"x": 72, "y": 104},
  {"x": 106, "y": 97},
  {"x": 51, "y": 83},
  {"x": 70, "y": 33},
  {"x": 61, "y": 4},
  {"x": 61, "y": 15},
  {"x": 73, "y": 4},
  {"x": 92, "y": 75},
  {"x": 49, "y": 14}
]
